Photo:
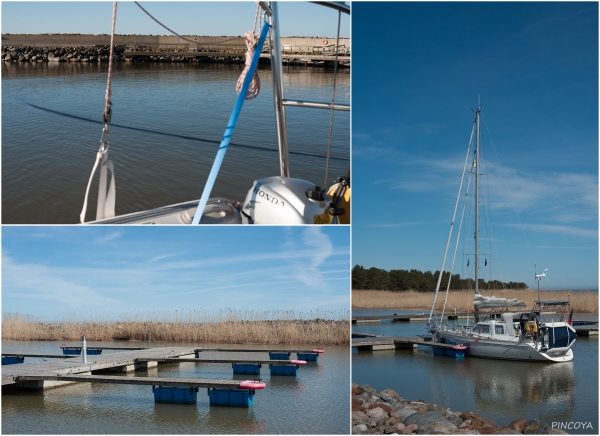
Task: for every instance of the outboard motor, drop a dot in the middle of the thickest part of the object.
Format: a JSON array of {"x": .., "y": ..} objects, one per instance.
[{"x": 281, "y": 200}]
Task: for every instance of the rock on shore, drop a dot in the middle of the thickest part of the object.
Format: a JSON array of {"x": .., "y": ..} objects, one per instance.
[{"x": 386, "y": 412}]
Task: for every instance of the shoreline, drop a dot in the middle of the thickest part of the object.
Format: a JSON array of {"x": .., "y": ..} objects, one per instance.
[
  {"x": 99, "y": 53},
  {"x": 386, "y": 412},
  {"x": 581, "y": 301},
  {"x": 276, "y": 332}
]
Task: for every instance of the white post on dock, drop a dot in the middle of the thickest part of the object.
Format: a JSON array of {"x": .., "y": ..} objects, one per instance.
[{"x": 84, "y": 349}]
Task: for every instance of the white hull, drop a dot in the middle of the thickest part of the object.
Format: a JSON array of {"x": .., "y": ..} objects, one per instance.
[{"x": 499, "y": 349}]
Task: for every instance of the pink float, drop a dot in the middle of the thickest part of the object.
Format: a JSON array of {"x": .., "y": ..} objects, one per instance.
[
  {"x": 252, "y": 384},
  {"x": 298, "y": 362},
  {"x": 318, "y": 351}
]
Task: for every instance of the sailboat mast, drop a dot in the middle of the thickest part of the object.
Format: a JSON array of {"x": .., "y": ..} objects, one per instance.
[{"x": 477, "y": 138}]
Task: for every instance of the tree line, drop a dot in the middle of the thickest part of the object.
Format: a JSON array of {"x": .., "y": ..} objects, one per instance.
[{"x": 405, "y": 280}]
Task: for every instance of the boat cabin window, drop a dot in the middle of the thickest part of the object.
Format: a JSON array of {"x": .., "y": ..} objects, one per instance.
[
  {"x": 481, "y": 329},
  {"x": 499, "y": 329}
]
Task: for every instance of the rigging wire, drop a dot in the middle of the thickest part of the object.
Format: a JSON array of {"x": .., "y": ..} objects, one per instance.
[
  {"x": 335, "y": 69},
  {"x": 177, "y": 34},
  {"x": 174, "y": 135},
  {"x": 509, "y": 191}
]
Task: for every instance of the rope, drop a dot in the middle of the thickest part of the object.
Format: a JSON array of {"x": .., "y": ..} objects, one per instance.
[
  {"x": 106, "y": 205},
  {"x": 251, "y": 41},
  {"x": 177, "y": 34},
  {"x": 174, "y": 135},
  {"x": 108, "y": 103},
  {"x": 337, "y": 44}
]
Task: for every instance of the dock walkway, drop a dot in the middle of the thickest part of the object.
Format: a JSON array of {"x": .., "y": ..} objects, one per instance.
[
  {"x": 152, "y": 381},
  {"x": 123, "y": 361}
]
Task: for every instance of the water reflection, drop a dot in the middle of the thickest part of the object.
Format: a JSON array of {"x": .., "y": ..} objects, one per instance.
[
  {"x": 316, "y": 401},
  {"x": 47, "y": 158},
  {"x": 499, "y": 390}
]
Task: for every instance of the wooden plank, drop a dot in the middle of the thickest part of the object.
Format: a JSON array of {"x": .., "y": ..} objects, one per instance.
[
  {"x": 193, "y": 360},
  {"x": 95, "y": 362},
  {"x": 394, "y": 340},
  {"x": 51, "y": 356},
  {"x": 148, "y": 381},
  {"x": 107, "y": 348},
  {"x": 254, "y": 350}
]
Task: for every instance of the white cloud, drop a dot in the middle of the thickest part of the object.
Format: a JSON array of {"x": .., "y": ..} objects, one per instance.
[
  {"x": 109, "y": 237},
  {"x": 40, "y": 282}
]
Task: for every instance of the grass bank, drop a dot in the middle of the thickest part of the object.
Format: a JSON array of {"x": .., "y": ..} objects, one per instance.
[
  {"x": 581, "y": 301},
  {"x": 223, "y": 327}
]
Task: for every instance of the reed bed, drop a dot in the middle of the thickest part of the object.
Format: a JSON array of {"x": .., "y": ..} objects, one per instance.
[
  {"x": 581, "y": 301},
  {"x": 222, "y": 327}
]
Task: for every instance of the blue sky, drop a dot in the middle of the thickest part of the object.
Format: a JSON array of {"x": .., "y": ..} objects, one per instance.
[
  {"x": 418, "y": 69},
  {"x": 53, "y": 270},
  {"x": 186, "y": 18}
]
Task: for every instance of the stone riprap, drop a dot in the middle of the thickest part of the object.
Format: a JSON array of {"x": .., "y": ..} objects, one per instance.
[
  {"x": 15, "y": 53},
  {"x": 386, "y": 412}
]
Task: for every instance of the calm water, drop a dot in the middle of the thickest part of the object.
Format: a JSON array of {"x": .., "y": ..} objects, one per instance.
[
  {"x": 499, "y": 390},
  {"x": 47, "y": 158},
  {"x": 315, "y": 402}
]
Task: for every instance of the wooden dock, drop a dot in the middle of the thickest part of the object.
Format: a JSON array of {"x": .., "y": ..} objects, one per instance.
[
  {"x": 148, "y": 381},
  {"x": 589, "y": 329},
  {"x": 375, "y": 343},
  {"x": 46, "y": 356},
  {"x": 253, "y": 350},
  {"x": 70, "y": 368},
  {"x": 112, "y": 362},
  {"x": 232, "y": 361}
]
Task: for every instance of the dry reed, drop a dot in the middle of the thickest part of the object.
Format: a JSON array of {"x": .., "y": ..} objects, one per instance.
[
  {"x": 581, "y": 301},
  {"x": 222, "y": 327}
]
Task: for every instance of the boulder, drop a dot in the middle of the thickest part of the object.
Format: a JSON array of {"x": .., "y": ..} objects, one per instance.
[
  {"x": 483, "y": 422},
  {"x": 385, "y": 407},
  {"x": 518, "y": 425},
  {"x": 356, "y": 405},
  {"x": 359, "y": 417},
  {"x": 359, "y": 428},
  {"x": 377, "y": 413},
  {"x": 403, "y": 412},
  {"x": 390, "y": 393},
  {"x": 557, "y": 431},
  {"x": 357, "y": 391},
  {"x": 468, "y": 415},
  {"x": 410, "y": 429},
  {"x": 429, "y": 417},
  {"x": 437, "y": 428},
  {"x": 535, "y": 426},
  {"x": 454, "y": 419}
]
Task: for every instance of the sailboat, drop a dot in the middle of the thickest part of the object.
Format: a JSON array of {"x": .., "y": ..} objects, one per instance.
[
  {"x": 500, "y": 333},
  {"x": 275, "y": 199}
]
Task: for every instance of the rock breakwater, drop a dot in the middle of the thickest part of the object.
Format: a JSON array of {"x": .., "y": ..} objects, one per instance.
[
  {"x": 13, "y": 53},
  {"x": 386, "y": 412}
]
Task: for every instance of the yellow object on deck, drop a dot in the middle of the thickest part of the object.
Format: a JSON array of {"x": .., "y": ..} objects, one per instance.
[{"x": 344, "y": 203}]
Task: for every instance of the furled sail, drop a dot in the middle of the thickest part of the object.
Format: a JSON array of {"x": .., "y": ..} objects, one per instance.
[{"x": 482, "y": 302}]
